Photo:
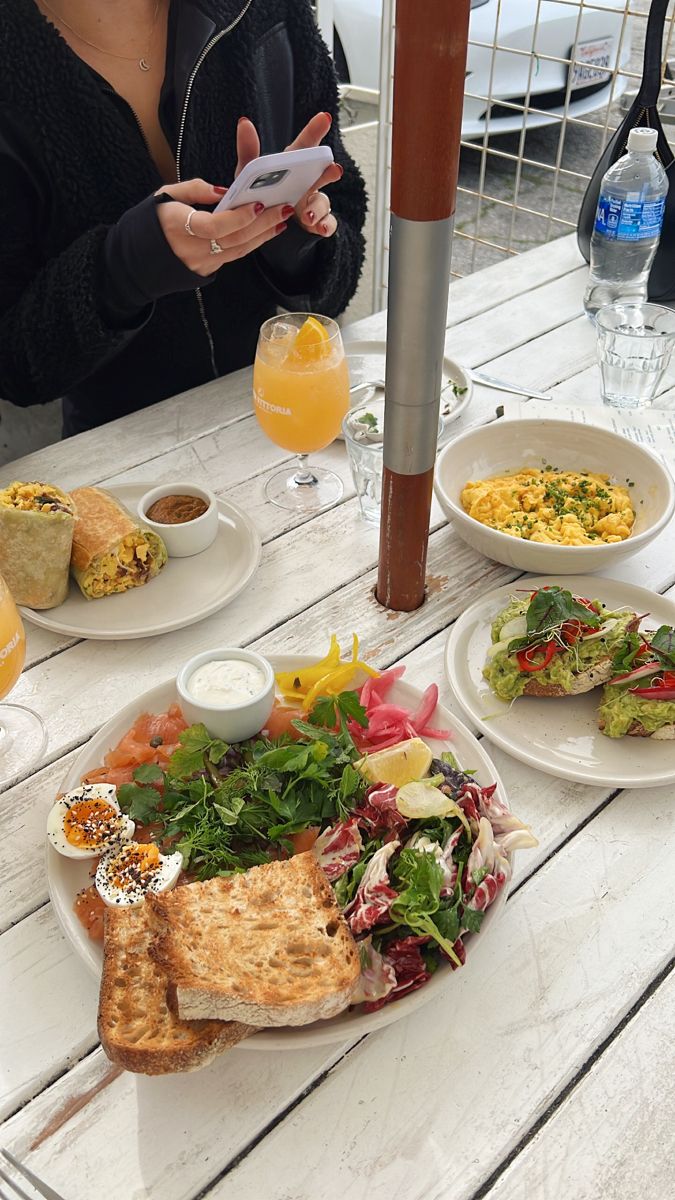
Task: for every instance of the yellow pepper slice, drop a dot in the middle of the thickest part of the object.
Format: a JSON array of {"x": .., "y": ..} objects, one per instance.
[
  {"x": 295, "y": 683},
  {"x": 325, "y": 678}
]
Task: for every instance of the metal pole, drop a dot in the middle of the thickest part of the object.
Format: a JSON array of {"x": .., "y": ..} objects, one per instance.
[{"x": 429, "y": 67}]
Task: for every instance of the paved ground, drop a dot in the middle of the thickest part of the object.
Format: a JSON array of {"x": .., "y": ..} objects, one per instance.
[{"x": 21, "y": 430}]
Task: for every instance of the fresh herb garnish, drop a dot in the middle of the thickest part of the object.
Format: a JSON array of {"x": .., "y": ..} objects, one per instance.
[
  {"x": 663, "y": 645},
  {"x": 420, "y": 898},
  {"x": 548, "y": 610}
]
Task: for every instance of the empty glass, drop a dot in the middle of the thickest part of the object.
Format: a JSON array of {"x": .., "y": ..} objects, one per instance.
[
  {"x": 363, "y": 430},
  {"x": 635, "y": 342}
]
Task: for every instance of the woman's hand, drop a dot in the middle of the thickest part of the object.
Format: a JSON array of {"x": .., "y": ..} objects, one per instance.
[
  {"x": 313, "y": 211},
  {"x": 214, "y": 239}
]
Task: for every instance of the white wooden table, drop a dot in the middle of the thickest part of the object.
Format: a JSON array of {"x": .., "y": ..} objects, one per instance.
[{"x": 548, "y": 1070}]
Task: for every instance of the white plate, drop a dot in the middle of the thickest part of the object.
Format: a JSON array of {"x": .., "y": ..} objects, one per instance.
[
  {"x": 186, "y": 589},
  {"x": 366, "y": 362},
  {"x": 67, "y": 876},
  {"x": 560, "y": 737}
]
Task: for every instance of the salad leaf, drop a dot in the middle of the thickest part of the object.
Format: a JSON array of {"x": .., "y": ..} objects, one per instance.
[
  {"x": 663, "y": 643},
  {"x": 548, "y": 609},
  {"x": 626, "y": 653},
  {"x": 196, "y": 747},
  {"x": 472, "y": 919},
  {"x": 419, "y": 900},
  {"x": 148, "y": 773},
  {"x": 328, "y": 710},
  {"x": 140, "y": 803}
]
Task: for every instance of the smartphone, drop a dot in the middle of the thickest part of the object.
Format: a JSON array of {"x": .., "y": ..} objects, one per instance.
[{"x": 278, "y": 178}]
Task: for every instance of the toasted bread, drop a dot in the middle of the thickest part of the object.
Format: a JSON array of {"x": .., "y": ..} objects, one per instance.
[
  {"x": 600, "y": 672},
  {"x": 136, "y": 1023},
  {"x": 267, "y": 947},
  {"x": 585, "y": 681}
]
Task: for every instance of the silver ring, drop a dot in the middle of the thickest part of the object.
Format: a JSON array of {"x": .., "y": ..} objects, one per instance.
[
  {"x": 216, "y": 248},
  {"x": 187, "y": 226}
]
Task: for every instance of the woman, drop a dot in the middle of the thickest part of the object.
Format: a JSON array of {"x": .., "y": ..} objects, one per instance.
[{"x": 114, "y": 291}]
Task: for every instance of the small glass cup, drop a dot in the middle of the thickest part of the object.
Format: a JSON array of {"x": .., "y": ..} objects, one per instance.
[
  {"x": 635, "y": 343},
  {"x": 363, "y": 430}
]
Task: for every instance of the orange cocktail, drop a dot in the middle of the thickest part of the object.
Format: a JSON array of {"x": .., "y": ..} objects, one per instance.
[
  {"x": 300, "y": 395},
  {"x": 12, "y": 641}
]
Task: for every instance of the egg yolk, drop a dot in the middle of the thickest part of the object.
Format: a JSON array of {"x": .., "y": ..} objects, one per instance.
[
  {"x": 133, "y": 865},
  {"x": 90, "y": 823}
]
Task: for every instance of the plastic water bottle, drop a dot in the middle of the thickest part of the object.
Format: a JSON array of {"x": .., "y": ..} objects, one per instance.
[{"x": 627, "y": 224}]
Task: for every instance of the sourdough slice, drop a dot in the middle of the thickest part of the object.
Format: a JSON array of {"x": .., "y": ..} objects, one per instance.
[
  {"x": 600, "y": 672},
  {"x": 267, "y": 947},
  {"x": 136, "y": 1024}
]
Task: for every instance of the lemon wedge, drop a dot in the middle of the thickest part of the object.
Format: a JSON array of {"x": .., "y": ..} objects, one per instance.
[
  {"x": 397, "y": 765},
  {"x": 312, "y": 341}
]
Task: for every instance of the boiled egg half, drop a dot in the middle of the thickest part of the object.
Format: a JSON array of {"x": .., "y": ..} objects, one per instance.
[
  {"x": 87, "y": 822},
  {"x": 127, "y": 873}
]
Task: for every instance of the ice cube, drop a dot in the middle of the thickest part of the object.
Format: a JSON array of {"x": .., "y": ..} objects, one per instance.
[{"x": 282, "y": 331}]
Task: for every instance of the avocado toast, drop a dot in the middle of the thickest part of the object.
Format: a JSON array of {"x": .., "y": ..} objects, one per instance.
[
  {"x": 551, "y": 643},
  {"x": 639, "y": 698}
]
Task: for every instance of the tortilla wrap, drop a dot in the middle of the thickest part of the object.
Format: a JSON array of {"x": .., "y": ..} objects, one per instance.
[
  {"x": 112, "y": 552},
  {"x": 36, "y": 533}
]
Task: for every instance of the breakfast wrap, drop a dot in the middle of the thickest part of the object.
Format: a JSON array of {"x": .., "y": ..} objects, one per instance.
[
  {"x": 112, "y": 552},
  {"x": 36, "y": 533}
]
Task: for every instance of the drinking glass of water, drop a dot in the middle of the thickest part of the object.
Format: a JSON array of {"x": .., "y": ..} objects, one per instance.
[{"x": 635, "y": 343}]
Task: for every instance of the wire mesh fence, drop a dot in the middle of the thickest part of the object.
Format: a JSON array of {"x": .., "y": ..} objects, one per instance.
[{"x": 547, "y": 83}]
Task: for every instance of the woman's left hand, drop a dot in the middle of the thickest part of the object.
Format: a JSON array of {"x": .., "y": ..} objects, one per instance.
[{"x": 313, "y": 212}]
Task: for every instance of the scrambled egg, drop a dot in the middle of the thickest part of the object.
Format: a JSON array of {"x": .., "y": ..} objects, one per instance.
[
  {"x": 36, "y": 497},
  {"x": 127, "y": 566},
  {"x": 571, "y": 508}
]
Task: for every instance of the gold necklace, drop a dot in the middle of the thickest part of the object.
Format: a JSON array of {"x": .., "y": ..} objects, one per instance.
[{"x": 143, "y": 64}]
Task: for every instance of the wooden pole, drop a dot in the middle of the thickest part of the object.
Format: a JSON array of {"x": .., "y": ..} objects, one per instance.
[{"x": 429, "y": 69}]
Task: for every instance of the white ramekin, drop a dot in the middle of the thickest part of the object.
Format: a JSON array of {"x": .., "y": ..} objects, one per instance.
[
  {"x": 189, "y": 537},
  {"x": 232, "y": 723}
]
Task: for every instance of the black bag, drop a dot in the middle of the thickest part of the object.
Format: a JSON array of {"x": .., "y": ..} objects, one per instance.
[{"x": 642, "y": 112}]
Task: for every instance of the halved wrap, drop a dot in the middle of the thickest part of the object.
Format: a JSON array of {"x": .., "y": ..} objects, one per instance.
[
  {"x": 112, "y": 551},
  {"x": 36, "y": 533}
]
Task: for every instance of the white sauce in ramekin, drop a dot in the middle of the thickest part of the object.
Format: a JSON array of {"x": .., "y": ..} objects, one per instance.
[{"x": 225, "y": 682}]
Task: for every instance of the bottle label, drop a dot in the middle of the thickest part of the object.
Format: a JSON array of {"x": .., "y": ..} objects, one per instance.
[{"x": 629, "y": 220}]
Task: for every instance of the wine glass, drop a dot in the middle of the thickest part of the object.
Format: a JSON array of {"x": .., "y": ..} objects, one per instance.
[
  {"x": 300, "y": 395},
  {"x": 23, "y": 735}
]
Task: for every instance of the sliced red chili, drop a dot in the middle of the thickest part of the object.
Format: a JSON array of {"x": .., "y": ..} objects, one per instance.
[{"x": 536, "y": 658}]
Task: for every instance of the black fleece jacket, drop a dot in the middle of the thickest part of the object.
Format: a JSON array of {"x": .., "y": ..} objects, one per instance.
[{"x": 84, "y": 267}]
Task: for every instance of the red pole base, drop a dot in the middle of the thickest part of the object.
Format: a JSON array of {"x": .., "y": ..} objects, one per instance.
[{"x": 404, "y": 534}]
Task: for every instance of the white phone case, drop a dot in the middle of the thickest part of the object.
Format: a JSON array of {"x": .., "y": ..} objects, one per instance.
[{"x": 278, "y": 178}]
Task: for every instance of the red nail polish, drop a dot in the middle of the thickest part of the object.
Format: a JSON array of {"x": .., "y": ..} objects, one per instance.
[
  {"x": 330, "y": 116},
  {"x": 287, "y": 210},
  {"x": 258, "y": 208},
  {"x": 281, "y": 226},
  {"x": 220, "y": 190},
  {"x": 323, "y": 227},
  {"x": 311, "y": 216}
]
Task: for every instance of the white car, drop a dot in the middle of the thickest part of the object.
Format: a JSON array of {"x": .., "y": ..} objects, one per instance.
[{"x": 592, "y": 38}]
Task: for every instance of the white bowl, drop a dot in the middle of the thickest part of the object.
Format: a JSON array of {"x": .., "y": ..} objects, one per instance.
[
  {"x": 505, "y": 446},
  {"x": 189, "y": 537},
  {"x": 231, "y": 722}
]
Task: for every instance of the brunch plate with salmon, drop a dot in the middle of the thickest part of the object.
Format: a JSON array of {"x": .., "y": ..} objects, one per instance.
[
  {"x": 574, "y": 675},
  {"x": 125, "y": 582},
  {"x": 306, "y": 885}
]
